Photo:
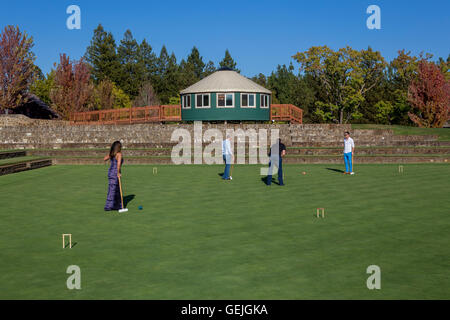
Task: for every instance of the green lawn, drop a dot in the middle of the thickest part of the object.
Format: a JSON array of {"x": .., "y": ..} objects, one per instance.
[
  {"x": 443, "y": 133},
  {"x": 199, "y": 237}
]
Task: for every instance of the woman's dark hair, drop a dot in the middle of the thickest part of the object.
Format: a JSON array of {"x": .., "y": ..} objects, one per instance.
[{"x": 116, "y": 147}]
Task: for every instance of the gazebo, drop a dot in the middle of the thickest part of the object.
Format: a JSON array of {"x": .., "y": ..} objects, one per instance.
[{"x": 225, "y": 95}]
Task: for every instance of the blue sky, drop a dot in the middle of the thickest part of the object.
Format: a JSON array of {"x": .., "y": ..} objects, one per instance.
[{"x": 259, "y": 34}]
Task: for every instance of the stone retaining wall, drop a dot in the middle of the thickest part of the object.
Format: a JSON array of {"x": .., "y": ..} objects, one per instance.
[{"x": 20, "y": 132}]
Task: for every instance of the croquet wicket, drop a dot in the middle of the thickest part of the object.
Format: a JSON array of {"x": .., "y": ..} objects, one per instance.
[
  {"x": 155, "y": 170},
  {"x": 400, "y": 169},
  {"x": 70, "y": 240},
  {"x": 318, "y": 212}
]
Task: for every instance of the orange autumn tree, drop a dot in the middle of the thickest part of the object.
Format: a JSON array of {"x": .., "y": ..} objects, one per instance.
[
  {"x": 429, "y": 96},
  {"x": 73, "y": 87}
]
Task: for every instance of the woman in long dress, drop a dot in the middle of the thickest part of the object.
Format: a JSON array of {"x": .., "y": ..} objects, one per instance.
[{"x": 113, "y": 199}]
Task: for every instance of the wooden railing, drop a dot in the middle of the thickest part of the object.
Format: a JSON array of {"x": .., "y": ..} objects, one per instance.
[
  {"x": 286, "y": 112},
  {"x": 165, "y": 113},
  {"x": 129, "y": 115}
]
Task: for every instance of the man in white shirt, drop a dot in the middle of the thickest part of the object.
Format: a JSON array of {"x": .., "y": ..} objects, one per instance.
[
  {"x": 349, "y": 150},
  {"x": 227, "y": 155}
]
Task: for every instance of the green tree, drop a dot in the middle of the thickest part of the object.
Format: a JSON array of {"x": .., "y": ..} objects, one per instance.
[
  {"x": 284, "y": 83},
  {"x": 400, "y": 72},
  {"x": 168, "y": 78},
  {"x": 148, "y": 60},
  {"x": 444, "y": 65},
  {"x": 171, "y": 80},
  {"x": 260, "y": 79},
  {"x": 107, "y": 95},
  {"x": 132, "y": 68},
  {"x": 197, "y": 63},
  {"x": 187, "y": 74},
  {"x": 42, "y": 87},
  {"x": 121, "y": 99},
  {"x": 345, "y": 77},
  {"x": 383, "y": 112},
  {"x": 209, "y": 69},
  {"x": 228, "y": 62},
  {"x": 162, "y": 64},
  {"x": 102, "y": 56}
]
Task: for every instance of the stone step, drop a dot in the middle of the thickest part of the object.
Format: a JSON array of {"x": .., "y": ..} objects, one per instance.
[
  {"x": 290, "y": 151},
  {"x": 84, "y": 146},
  {"x": 373, "y": 151},
  {"x": 12, "y": 154},
  {"x": 290, "y": 159},
  {"x": 24, "y": 165},
  {"x": 370, "y": 159},
  {"x": 395, "y": 143},
  {"x": 372, "y": 139}
]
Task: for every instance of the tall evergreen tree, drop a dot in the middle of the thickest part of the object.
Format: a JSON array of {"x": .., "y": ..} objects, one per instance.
[
  {"x": 163, "y": 62},
  {"x": 197, "y": 63},
  {"x": 148, "y": 60},
  {"x": 228, "y": 62},
  {"x": 187, "y": 74},
  {"x": 171, "y": 80},
  {"x": 102, "y": 56},
  {"x": 167, "y": 80},
  {"x": 289, "y": 88},
  {"x": 132, "y": 75},
  {"x": 260, "y": 79},
  {"x": 209, "y": 68}
]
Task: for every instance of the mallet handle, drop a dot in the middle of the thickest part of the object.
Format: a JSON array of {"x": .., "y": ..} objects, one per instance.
[{"x": 120, "y": 187}]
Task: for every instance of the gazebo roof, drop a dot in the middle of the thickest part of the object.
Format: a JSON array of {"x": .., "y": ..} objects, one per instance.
[{"x": 225, "y": 80}]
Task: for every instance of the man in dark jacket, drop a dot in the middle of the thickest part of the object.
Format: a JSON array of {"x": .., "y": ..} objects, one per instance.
[{"x": 277, "y": 152}]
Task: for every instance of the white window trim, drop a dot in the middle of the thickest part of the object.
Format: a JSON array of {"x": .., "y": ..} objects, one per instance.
[
  {"x": 183, "y": 101},
  {"x": 262, "y": 96},
  {"x": 203, "y": 94},
  {"x": 225, "y": 93},
  {"x": 254, "y": 100}
]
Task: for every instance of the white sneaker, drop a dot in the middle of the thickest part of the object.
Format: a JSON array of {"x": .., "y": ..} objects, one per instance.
[
  {"x": 352, "y": 173},
  {"x": 231, "y": 178}
]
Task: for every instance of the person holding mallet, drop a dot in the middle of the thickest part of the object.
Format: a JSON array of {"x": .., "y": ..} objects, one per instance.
[
  {"x": 277, "y": 152},
  {"x": 349, "y": 150},
  {"x": 114, "y": 199},
  {"x": 228, "y": 157}
]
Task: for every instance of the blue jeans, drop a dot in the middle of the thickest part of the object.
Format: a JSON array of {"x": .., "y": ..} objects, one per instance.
[
  {"x": 226, "y": 172},
  {"x": 276, "y": 160},
  {"x": 348, "y": 162}
]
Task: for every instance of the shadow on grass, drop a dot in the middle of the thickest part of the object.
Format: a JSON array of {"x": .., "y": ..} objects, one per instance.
[
  {"x": 335, "y": 170},
  {"x": 128, "y": 199},
  {"x": 265, "y": 179},
  {"x": 73, "y": 244}
]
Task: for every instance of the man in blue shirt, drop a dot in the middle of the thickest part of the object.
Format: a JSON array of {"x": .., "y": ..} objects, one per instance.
[
  {"x": 277, "y": 152},
  {"x": 228, "y": 157}
]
